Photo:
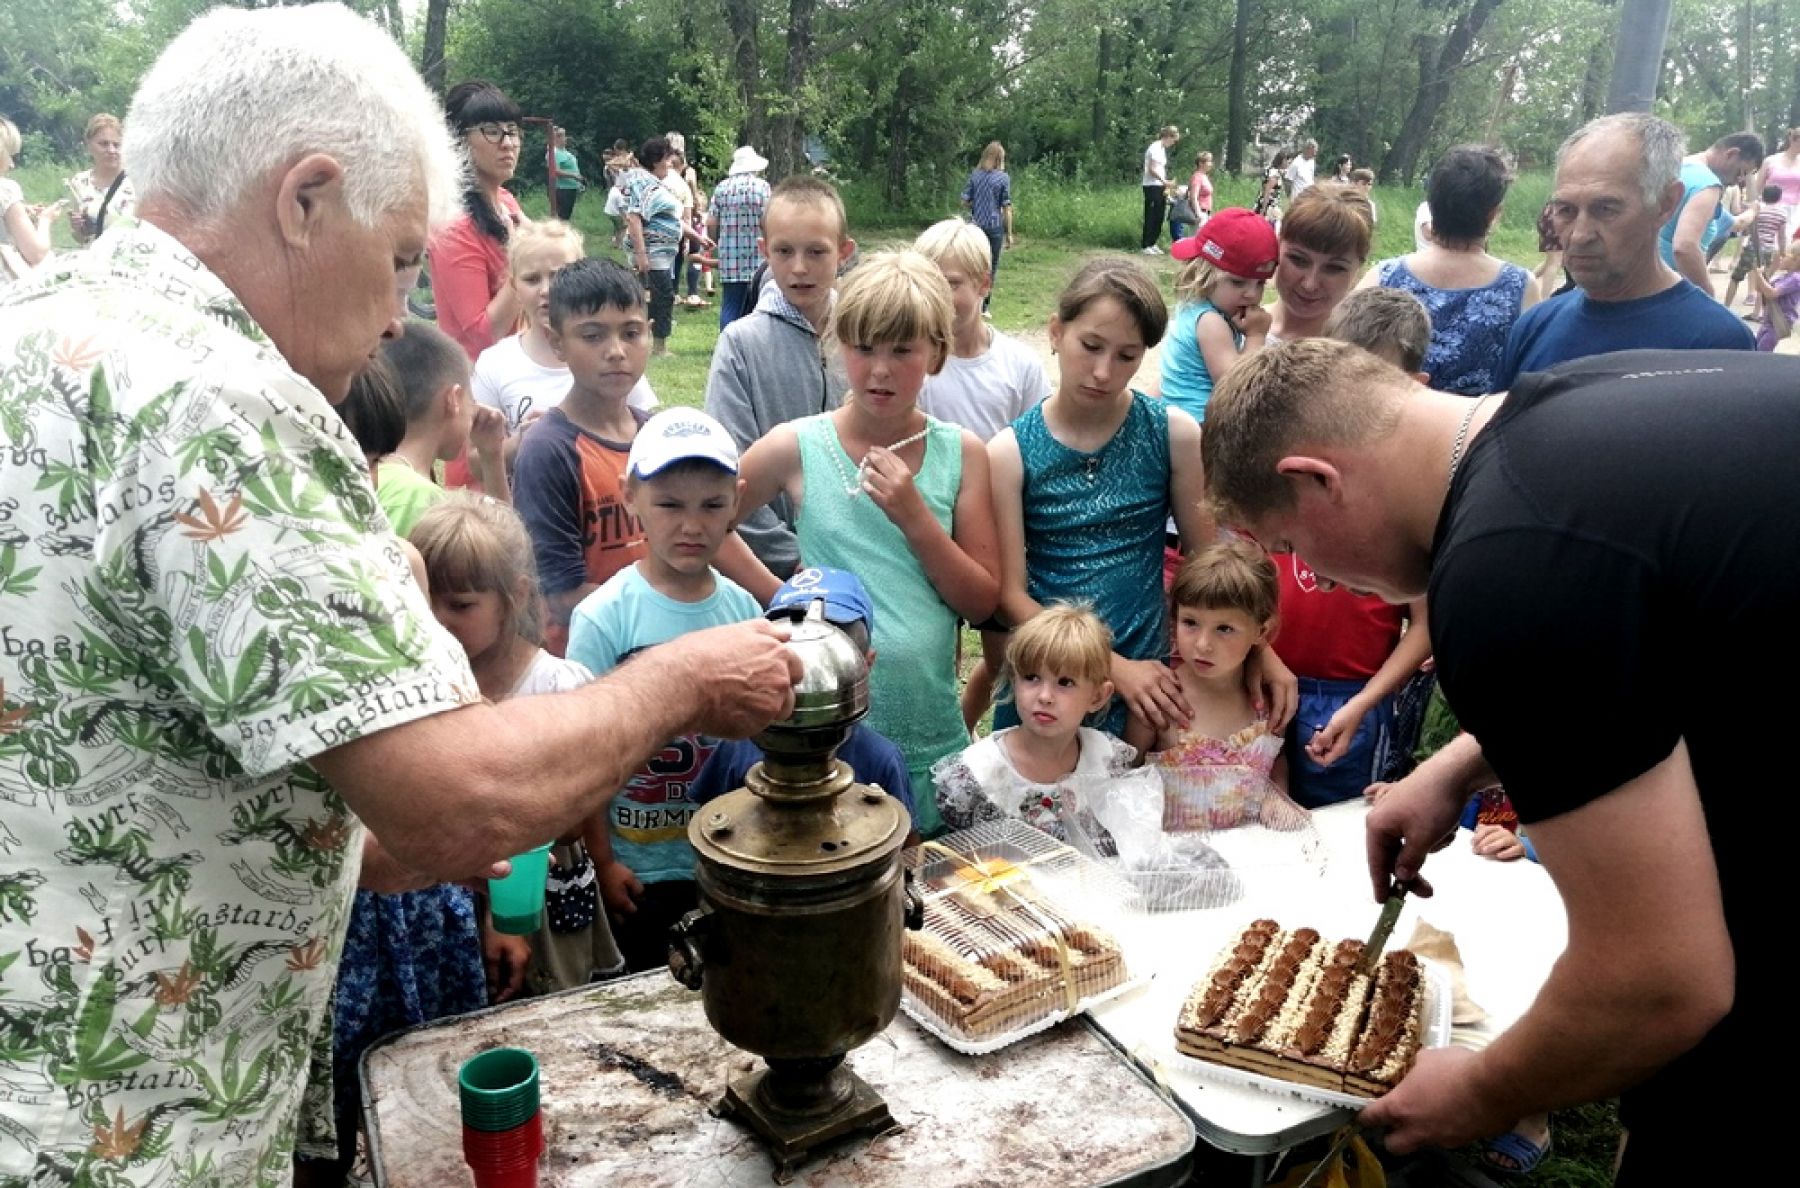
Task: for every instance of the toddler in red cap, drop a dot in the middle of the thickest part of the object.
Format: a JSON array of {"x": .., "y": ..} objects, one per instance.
[{"x": 1220, "y": 317}]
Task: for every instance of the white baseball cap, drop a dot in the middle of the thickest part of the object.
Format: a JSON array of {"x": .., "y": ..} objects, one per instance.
[
  {"x": 677, "y": 434},
  {"x": 747, "y": 160}
]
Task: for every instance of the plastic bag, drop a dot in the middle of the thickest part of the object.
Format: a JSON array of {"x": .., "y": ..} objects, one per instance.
[{"x": 1119, "y": 820}]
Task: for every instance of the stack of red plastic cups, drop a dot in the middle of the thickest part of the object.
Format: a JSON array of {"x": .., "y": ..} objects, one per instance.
[{"x": 503, "y": 1127}]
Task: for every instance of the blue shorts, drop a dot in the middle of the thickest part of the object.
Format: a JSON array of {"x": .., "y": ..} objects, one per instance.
[{"x": 1313, "y": 786}]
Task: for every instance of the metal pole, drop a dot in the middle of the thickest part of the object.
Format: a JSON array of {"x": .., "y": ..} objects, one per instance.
[{"x": 1643, "y": 27}]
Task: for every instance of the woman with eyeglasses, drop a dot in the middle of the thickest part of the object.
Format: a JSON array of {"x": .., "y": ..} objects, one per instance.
[{"x": 475, "y": 304}]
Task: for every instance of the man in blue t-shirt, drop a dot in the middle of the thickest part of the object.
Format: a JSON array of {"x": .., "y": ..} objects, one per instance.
[
  {"x": 1704, "y": 177},
  {"x": 1617, "y": 183}
]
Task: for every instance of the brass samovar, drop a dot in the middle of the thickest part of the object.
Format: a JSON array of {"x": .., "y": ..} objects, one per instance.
[{"x": 796, "y": 943}]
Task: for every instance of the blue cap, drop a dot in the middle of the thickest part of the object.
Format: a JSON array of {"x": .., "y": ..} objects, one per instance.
[{"x": 846, "y": 601}]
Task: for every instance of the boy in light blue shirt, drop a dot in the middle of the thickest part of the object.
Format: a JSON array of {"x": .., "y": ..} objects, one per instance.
[{"x": 682, "y": 485}]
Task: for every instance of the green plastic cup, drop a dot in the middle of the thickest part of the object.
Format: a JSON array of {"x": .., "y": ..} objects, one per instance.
[
  {"x": 499, "y": 1089},
  {"x": 517, "y": 900}
]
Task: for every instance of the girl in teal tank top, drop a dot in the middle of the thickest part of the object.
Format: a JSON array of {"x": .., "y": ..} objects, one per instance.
[
  {"x": 1085, "y": 483},
  {"x": 898, "y": 498}
]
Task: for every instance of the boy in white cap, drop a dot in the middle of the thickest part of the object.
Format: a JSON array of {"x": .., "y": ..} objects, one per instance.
[
  {"x": 681, "y": 484},
  {"x": 734, "y": 220}
]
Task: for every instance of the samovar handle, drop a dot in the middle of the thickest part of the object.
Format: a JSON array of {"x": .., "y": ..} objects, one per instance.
[
  {"x": 686, "y": 938},
  {"x": 915, "y": 905}
]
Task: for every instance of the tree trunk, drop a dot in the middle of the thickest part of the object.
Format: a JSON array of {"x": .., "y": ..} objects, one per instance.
[
  {"x": 431, "y": 55},
  {"x": 746, "y": 62},
  {"x": 1794, "y": 104},
  {"x": 1746, "y": 57},
  {"x": 1643, "y": 29},
  {"x": 1593, "y": 80},
  {"x": 1097, "y": 108},
  {"x": 396, "y": 24},
  {"x": 787, "y": 130},
  {"x": 1237, "y": 115},
  {"x": 1435, "y": 77}
]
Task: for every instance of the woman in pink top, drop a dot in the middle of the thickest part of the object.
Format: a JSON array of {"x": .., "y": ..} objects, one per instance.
[
  {"x": 470, "y": 280},
  {"x": 476, "y": 305},
  {"x": 1200, "y": 187},
  {"x": 1783, "y": 169}
]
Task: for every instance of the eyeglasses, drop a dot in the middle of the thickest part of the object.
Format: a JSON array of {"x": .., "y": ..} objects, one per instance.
[{"x": 500, "y": 133}]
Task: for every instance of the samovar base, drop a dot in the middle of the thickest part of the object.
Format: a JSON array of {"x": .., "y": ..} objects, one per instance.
[{"x": 796, "y": 1114}]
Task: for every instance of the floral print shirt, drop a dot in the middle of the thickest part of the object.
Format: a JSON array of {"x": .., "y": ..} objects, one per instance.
[{"x": 198, "y": 593}]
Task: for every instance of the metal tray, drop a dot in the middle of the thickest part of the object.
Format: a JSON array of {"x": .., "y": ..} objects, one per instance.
[{"x": 629, "y": 1069}]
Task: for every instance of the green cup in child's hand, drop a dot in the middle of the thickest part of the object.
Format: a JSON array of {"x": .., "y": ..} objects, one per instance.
[{"x": 517, "y": 901}]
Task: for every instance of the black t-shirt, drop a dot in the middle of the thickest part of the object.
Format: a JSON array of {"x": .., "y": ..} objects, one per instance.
[{"x": 1617, "y": 567}]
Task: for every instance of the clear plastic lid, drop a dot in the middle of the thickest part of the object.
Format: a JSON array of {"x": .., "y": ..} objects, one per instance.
[{"x": 1021, "y": 931}]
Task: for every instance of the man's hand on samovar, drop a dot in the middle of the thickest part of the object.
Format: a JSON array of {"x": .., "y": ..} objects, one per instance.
[{"x": 743, "y": 676}]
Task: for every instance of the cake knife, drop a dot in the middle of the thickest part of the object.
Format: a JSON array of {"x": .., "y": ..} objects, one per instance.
[{"x": 1384, "y": 927}]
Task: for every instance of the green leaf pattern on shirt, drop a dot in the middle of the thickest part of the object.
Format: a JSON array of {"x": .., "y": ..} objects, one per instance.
[{"x": 198, "y": 593}]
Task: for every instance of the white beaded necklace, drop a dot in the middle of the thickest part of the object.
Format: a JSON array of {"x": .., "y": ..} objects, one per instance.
[{"x": 853, "y": 486}]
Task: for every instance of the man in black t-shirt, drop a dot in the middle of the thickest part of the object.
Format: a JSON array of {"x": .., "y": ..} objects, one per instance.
[{"x": 1611, "y": 554}]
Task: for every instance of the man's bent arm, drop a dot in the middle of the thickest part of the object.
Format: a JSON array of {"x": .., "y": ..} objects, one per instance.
[
  {"x": 1696, "y": 217},
  {"x": 1647, "y": 973},
  {"x": 452, "y": 793},
  {"x": 1649, "y": 968}
]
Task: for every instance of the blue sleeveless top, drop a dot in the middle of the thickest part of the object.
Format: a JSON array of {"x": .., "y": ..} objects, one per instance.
[
  {"x": 1468, "y": 326},
  {"x": 1094, "y": 530},
  {"x": 1186, "y": 381}
]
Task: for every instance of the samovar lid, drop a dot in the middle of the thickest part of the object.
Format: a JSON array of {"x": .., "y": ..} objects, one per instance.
[{"x": 834, "y": 684}]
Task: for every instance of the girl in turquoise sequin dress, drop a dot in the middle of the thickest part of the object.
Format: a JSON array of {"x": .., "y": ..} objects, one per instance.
[{"x": 1083, "y": 487}]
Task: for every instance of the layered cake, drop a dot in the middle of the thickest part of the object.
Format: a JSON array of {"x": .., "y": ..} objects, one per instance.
[
  {"x": 995, "y": 956},
  {"x": 1292, "y": 1005}
]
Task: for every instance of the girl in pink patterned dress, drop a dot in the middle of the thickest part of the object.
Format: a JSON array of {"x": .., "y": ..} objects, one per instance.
[{"x": 1225, "y": 767}]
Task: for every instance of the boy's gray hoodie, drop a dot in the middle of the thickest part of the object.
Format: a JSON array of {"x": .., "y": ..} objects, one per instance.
[{"x": 769, "y": 367}]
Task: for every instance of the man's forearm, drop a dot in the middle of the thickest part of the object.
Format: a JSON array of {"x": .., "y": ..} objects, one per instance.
[
  {"x": 450, "y": 794},
  {"x": 1461, "y": 766},
  {"x": 1690, "y": 261}
]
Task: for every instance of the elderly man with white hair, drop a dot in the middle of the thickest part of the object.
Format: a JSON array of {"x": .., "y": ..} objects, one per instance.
[
  {"x": 1618, "y": 180},
  {"x": 214, "y": 662}
]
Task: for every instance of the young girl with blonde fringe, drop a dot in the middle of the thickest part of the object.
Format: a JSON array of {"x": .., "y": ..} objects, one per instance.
[
  {"x": 1056, "y": 675},
  {"x": 1220, "y": 316},
  {"x": 1219, "y": 766},
  {"x": 1084, "y": 485},
  {"x": 522, "y": 375},
  {"x": 483, "y": 588},
  {"x": 895, "y": 495}
]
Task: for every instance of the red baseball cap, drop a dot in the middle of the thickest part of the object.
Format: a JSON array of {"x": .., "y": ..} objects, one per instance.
[{"x": 1236, "y": 240}]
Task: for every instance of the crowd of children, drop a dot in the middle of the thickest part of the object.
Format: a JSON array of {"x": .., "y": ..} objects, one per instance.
[{"x": 877, "y": 447}]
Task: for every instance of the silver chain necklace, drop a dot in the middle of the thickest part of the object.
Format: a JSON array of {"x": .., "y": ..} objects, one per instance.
[
  {"x": 1462, "y": 439},
  {"x": 853, "y": 485}
]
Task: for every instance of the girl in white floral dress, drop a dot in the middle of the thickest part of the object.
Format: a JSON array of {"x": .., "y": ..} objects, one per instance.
[
  {"x": 1056, "y": 670},
  {"x": 1225, "y": 767}
]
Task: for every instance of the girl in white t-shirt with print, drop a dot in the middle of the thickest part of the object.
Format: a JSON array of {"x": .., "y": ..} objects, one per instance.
[
  {"x": 521, "y": 375},
  {"x": 484, "y": 591}
]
